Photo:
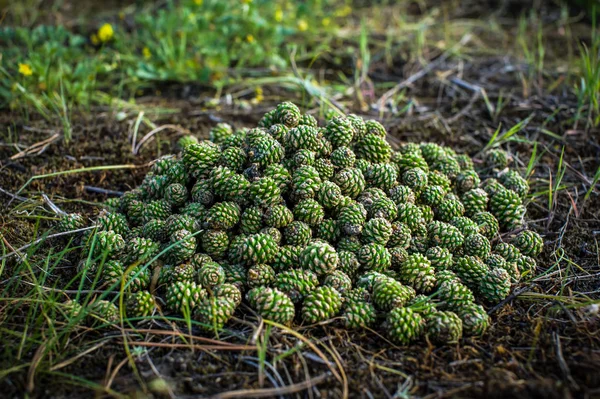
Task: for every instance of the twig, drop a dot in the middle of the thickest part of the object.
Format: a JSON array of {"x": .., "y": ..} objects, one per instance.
[
  {"x": 509, "y": 298},
  {"x": 271, "y": 392},
  {"x": 45, "y": 238},
  {"x": 428, "y": 68},
  {"x": 99, "y": 190},
  {"x": 564, "y": 367},
  {"x": 53, "y": 206},
  {"x": 13, "y": 196},
  {"x": 39, "y": 147},
  {"x": 147, "y": 137}
]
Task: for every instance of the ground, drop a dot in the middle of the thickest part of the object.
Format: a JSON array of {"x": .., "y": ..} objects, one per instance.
[{"x": 544, "y": 338}]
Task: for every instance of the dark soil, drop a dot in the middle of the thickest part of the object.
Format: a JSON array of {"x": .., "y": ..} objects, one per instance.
[{"x": 543, "y": 342}]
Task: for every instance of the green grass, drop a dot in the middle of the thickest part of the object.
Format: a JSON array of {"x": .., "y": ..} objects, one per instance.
[{"x": 588, "y": 87}]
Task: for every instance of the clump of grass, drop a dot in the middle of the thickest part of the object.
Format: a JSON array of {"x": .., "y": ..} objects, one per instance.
[{"x": 588, "y": 87}]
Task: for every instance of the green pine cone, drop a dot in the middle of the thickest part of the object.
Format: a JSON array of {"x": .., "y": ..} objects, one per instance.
[
  {"x": 417, "y": 272},
  {"x": 184, "y": 295},
  {"x": 287, "y": 257},
  {"x": 343, "y": 157},
  {"x": 506, "y": 206},
  {"x": 265, "y": 151},
  {"x": 383, "y": 208},
  {"x": 400, "y": 237},
  {"x": 422, "y": 305},
  {"x": 325, "y": 168},
  {"x": 373, "y": 148},
  {"x": 360, "y": 126},
  {"x": 444, "y": 327},
  {"x": 309, "y": 211},
  {"x": 404, "y": 326},
  {"x": 296, "y": 283},
  {"x": 351, "y": 181},
  {"x": 415, "y": 179},
  {"x": 220, "y": 132},
  {"x": 278, "y": 216},
  {"x": 436, "y": 178},
  {"x": 202, "y": 192},
  {"x": 409, "y": 160},
  {"x": 508, "y": 251},
  {"x": 251, "y": 220},
  {"x": 184, "y": 246},
  {"x": 474, "y": 201},
  {"x": 339, "y": 131},
  {"x": 444, "y": 235},
  {"x": 70, "y": 221},
  {"x": 222, "y": 216},
  {"x": 297, "y": 233},
  {"x": 471, "y": 270},
  {"x": 159, "y": 209},
  {"x": 452, "y": 294},
  {"x": 228, "y": 291},
  {"x": 235, "y": 274},
  {"x": 526, "y": 265},
  {"x": 116, "y": 222},
  {"x": 381, "y": 175},
  {"x": 329, "y": 194},
  {"x": 389, "y": 294},
  {"x": 374, "y": 257},
  {"x": 302, "y": 138},
  {"x": 487, "y": 224},
  {"x": 328, "y": 230},
  {"x": 176, "y": 194},
  {"x": 477, "y": 245},
  {"x": 349, "y": 243},
  {"x": 402, "y": 195},
  {"x": 214, "y": 243},
  {"x": 112, "y": 272},
  {"x": 368, "y": 279},
  {"x": 211, "y": 275},
  {"x": 140, "y": 304},
  {"x": 377, "y": 230},
  {"x": 183, "y": 272},
  {"x": 529, "y": 243},
  {"x": 260, "y": 275},
  {"x": 467, "y": 180},
  {"x": 269, "y": 119},
  {"x": 319, "y": 257},
  {"x": 234, "y": 158},
  {"x": 447, "y": 165},
  {"x": 512, "y": 180},
  {"x": 214, "y": 312},
  {"x": 359, "y": 315},
  {"x": 338, "y": 280},
  {"x": 352, "y": 218},
  {"x": 104, "y": 311},
  {"x": 305, "y": 182},
  {"x": 272, "y": 304},
  {"x": 495, "y": 285},
  {"x": 474, "y": 318},
  {"x": 427, "y": 212},
  {"x": 308, "y": 120},
  {"x": 449, "y": 209},
  {"x": 410, "y": 215},
  {"x": 321, "y": 304},
  {"x": 288, "y": 114},
  {"x": 108, "y": 243},
  {"x": 265, "y": 192},
  {"x": 399, "y": 256},
  {"x": 258, "y": 248},
  {"x": 200, "y": 158},
  {"x": 440, "y": 258},
  {"x": 178, "y": 222},
  {"x": 349, "y": 263},
  {"x": 155, "y": 230},
  {"x": 432, "y": 195},
  {"x": 496, "y": 159}
]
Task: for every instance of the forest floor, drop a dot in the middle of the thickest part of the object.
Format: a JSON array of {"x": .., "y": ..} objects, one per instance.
[{"x": 543, "y": 341}]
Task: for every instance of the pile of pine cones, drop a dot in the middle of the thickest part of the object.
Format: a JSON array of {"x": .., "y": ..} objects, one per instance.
[{"x": 310, "y": 223}]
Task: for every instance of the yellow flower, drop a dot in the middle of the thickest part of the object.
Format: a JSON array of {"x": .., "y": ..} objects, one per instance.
[
  {"x": 326, "y": 21},
  {"x": 246, "y": 1},
  {"x": 279, "y": 15},
  {"x": 344, "y": 11},
  {"x": 105, "y": 33},
  {"x": 302, "y": 25},
  {"x": 249, "y": 38},
  {"x": 25, "y": 70},
  {"x": 258, "y": 98},
  {"x": 198, "y": 2},
  {"x": 146, "y": 52}
]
